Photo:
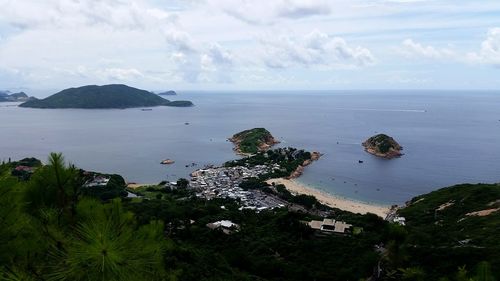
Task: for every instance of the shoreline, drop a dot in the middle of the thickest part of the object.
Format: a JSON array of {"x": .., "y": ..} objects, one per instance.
[
  {"x": 332, "y": 200},
  {"x": 137, "y": 185}
]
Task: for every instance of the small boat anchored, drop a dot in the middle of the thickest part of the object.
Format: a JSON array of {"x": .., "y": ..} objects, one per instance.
[{"x": 167, "y": 162}]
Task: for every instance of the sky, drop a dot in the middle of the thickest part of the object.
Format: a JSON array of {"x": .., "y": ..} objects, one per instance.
[{"x": 250, "y": 44}]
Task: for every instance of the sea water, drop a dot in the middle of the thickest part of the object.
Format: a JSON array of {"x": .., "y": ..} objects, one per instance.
[{"x": 449, "y": 137}]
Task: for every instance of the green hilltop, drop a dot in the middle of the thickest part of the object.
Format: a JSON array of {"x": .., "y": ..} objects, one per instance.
[
  {"x": 453, "y": 226},
  {"x": 253, "y": 140},
  {"x": 382, "y": 145},
  {"x": 107, "y": 96}
]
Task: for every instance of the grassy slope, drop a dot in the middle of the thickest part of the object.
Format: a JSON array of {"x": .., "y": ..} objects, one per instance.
[
  {"x": 443, "y": 239},
  {"x": 250, "y": 140}
]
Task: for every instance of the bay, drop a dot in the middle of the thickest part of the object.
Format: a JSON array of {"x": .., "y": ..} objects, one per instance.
[{"x": 449, "y": 137}]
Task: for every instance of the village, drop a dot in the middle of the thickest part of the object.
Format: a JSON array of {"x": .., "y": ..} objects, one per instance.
[{"x": 224, "y": 182}]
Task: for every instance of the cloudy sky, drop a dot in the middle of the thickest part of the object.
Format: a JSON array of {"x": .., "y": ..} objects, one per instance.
[{"x": 251, "y": 44}]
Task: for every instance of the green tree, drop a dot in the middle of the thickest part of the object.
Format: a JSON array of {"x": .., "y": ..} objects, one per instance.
[
  {"x": 182, "y": 183},
  {"x": 108, "y": 245},
  {"x": 462, "y": 274},
  {"x": 55, "y": 185},
  {"x": 483, "y": 272},
  {"x": 412, "y": 274},
  {"x": 14, "y": 224}
]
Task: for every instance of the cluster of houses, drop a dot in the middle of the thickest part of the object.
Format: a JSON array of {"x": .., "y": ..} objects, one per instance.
[
  {"x": 23, "y": 172},
  {"x": 224, "y": 182},
  {"x": 97, "y": 181},
  {"x": 24, "y": 169}
]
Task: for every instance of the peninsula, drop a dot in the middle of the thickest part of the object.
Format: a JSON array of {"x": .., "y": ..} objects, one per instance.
[
  {"x": 252, "y": 141},
  {"x": 102, "y": 97},
  {"x": 382, "y": 145}
]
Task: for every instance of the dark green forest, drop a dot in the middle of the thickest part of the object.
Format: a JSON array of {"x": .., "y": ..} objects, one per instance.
[{"x": 53, "y": 228}]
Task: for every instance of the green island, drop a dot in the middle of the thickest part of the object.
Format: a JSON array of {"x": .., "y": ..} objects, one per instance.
[
  {"x": 102, "y": 97},
  {"x": 59, "y": 222},
  {"x": 382, "y": 145},
  {"x": 251, "y": 141}
]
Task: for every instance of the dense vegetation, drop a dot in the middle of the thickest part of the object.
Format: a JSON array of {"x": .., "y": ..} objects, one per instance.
[
  {"x": 382, "y": 143},
  {"x": 107, "y": 96},
  {"x": 443, "y": 227},
  {"x": 253, "y": 140},
  {"x": 113, "y": 189},
  {"x": 50, "y": 230},
  {"x": 288, "y": 159}
]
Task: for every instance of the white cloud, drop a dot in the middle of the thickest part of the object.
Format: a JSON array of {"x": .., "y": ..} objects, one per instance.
[
  {"x": 314, "y": 49},
  {"x": 181, "y": 41},
  {"x": 218, "y": 63},
  {"x": 200, "y": 43},
  {"x": 69, "y": 14},
  {"x": 302, "y": 8},
  {"x": 264, "y": 12},
  {"x": 196, "y": 63},
  {"x": 188, "y": 65},
  {"x": 219, "y": 55},
  {"x": 119, "y": 74},
  {"x": 413, "y": 49},
  {"x": 490, "y": 49},
  {"x": 489, "y": 52}
]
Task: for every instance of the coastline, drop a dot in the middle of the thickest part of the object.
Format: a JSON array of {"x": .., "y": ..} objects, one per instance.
[
  {"x": 137, "y": 185},
  {"x": 332, "y": 200}
]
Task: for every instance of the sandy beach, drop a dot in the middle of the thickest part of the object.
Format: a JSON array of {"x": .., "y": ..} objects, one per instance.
[
  {"x": 332, "y": 200},
  {"x": 137, "y": 185}
]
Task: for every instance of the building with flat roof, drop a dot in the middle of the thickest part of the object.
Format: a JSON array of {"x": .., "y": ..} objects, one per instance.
[
  {"x": 330, "y": 225},
  {"x": 226, "y": 226}
]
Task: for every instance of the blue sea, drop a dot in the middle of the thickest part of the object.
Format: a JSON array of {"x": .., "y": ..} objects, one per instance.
[{"x": 449, "y": 137}]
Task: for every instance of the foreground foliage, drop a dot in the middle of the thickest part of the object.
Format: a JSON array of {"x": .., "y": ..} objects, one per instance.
[{"x": 50, "y": 229}]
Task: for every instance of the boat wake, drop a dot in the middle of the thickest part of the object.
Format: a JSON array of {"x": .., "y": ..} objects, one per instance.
[{"x": 382, "y": 110}]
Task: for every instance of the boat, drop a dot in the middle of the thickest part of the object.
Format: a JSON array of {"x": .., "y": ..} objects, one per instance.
[
  {"x": 146, "y": 109},
  {"x": 167, "y": 162}
]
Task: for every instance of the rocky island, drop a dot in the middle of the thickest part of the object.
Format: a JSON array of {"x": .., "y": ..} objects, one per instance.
[
  {"x": 102, "y": 97},
  {"x": 252, "y": 141},
  {"x": 168, "y": 93},
  {"x": 382, "y": 145}
]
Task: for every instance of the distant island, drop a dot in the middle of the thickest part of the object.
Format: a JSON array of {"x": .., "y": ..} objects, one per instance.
[
  {"x": 14, "y": 97},
  {"x": 107, "y": 96},
  {"x": 168, "y": 93},
  {"x": 382, "y": 145},
  {"x": 252, "y": 141}
]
